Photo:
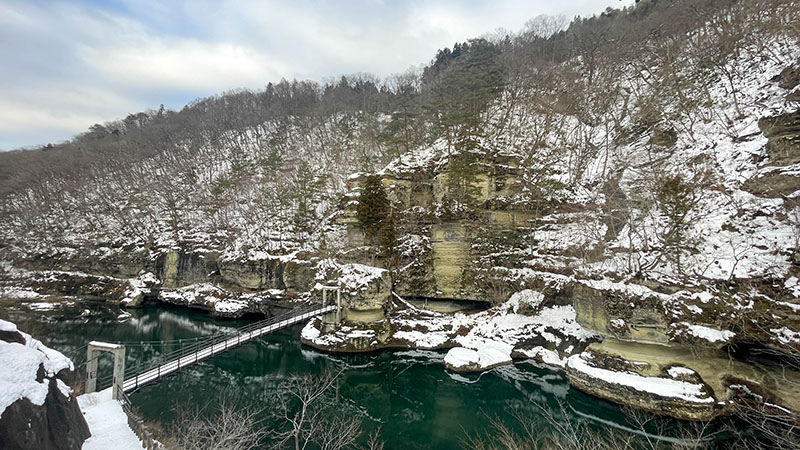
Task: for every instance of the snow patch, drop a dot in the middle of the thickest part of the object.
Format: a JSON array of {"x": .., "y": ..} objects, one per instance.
[
  {"x": 661, "y": 387},
  {"x": 21, "y": 364},
  {"x": 107, "y": 423}
]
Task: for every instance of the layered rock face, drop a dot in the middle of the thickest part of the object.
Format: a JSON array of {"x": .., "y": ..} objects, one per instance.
[
  {"x": 665, "y": 315},
  {"x": 37, "y": 409},
  {"x": 224, "y": 286}
]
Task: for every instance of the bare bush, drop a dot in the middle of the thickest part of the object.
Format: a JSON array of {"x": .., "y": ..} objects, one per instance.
[
  {"x": 225, "y": 428},
  {"x": 309, "y": 416}
]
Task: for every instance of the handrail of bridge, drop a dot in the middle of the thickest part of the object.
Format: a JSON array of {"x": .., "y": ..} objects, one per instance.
[
  {"x": 199, "y": 344},
  {"x": 171, "y": 362}
]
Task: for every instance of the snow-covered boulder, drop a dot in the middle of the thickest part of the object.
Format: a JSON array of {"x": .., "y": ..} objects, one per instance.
[
  {"x": 484, "y": 355},
  {"x": 617, "y": 380},
  {"x": 365, "y": 290},
  {"x": 37, "y": 410}
]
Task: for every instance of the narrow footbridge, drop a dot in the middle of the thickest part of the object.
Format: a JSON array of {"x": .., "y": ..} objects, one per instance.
[{"x": 169, "y": 363}]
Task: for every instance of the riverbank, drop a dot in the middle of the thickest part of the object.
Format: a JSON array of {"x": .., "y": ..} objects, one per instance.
[
  {"x": 107, "y": 423},
  {"x": 403, "y": 392}
]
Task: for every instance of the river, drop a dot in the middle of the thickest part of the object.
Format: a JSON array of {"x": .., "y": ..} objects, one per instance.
[{"x": 415, "y": 401}]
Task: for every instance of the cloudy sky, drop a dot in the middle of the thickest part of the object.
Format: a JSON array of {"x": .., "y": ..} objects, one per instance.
[{"x": 70, "y": 64}]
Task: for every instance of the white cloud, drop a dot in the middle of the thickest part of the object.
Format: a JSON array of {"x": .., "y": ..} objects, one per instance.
[
  {"x": 184, "y": 65},
  {"x": 68, "y": 65}
]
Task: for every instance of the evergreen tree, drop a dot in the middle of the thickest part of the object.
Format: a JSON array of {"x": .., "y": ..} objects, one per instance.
[
  {"x": 462, "y": 176},
  {"x": 271, "y": 163},
  {"x": 376, "y": 217},
  {"x": 373, "y": 206},
  {"x": 307, "y": 186}
]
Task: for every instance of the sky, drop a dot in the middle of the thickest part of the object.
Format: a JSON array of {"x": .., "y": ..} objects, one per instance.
[{"x": 69, "y": 64}]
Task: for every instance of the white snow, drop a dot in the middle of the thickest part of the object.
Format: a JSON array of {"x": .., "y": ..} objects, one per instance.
[
  {"x": 678, "y": 371},
  {"x": 786, "y": 336},
  {"x": 703, "y": 332},
  {"x": 792, "y": 284},
  {"x": 492, "y": 335},
  {"x": 460, "y": 357},
  {"x": 208, "y": 295},
  {"x": 20, "y": 365},
  {"x": 423, "y": 340},
  {"x": 351, "y": 278},
  {"x": 107, "y": 423},
  {"x": 42, "y": 306},
  {"x": 501, "y": 325},
  {"x": 7, "y": 326},
  {"x": 527, "y": 297},
  {"x": 490, "y": 352},
  {"x": 548, "y": 357},
  {"x": 139, "y": 286},
  {"x": 662, "y": 387},
  {"x": 310, "y": 332},
  {"x": 617, "y": 323},
  {"x": 18, "y": 292}
]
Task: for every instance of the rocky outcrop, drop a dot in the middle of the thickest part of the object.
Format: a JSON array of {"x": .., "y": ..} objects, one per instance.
[
  {"x": 260, "y": 274},
  {"x": 783, "y": 132},
  {"x": 679, "y": 392},
  {"x": 37, "y": 410},
  {"x": 56, "y": 425},
  {"x": 366, "y": 290},
  {"x": 177, "y": 268}
]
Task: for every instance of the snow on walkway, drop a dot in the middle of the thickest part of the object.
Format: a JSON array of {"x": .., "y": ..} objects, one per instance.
[{"x": 107, "y": 422}]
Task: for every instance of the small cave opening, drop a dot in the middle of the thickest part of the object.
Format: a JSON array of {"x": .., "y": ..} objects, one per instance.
[{"x": 754, "y": 352}]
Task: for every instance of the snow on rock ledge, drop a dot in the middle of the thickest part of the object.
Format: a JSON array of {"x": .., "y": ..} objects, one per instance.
[
  {"x": 37, "y": 409},
  {"x": 520, "y": 328},
  {"x": 21, "y": 356},
  {"x": 602, "y": 376},
  {"x": 484, "y": 355}
]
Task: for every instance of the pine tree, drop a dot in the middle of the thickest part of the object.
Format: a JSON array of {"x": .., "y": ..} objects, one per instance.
[
  {"x": 376, "y": 216},
  {"x": 462, "y": 176},
  {"x": 373, "y": 206},
  {"x": 307, "y": 185}
]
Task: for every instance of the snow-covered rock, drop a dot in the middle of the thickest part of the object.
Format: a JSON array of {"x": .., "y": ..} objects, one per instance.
[
  {"x": 689, "y": 400},
  {"x": 37, "y": 409}
]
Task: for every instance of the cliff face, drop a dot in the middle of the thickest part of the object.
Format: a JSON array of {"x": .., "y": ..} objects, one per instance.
[
  {"x": 37, "y": 410},
  {"x": 675, "y": 248}
]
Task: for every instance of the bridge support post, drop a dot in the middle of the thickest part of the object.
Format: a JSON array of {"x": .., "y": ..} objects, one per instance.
[
  {"x": 339, "y": 312},
  {"x": 91, "y": 369},
  {"x": 92, "y": 354},
  {"x": 331, "y": 321}
]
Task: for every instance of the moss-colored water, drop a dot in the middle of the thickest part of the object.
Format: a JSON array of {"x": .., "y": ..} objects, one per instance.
[{"x": 417, "y": 403}]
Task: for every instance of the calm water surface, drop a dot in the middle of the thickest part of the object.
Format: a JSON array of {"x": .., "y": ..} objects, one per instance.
[{"x": 417, "y": 403}]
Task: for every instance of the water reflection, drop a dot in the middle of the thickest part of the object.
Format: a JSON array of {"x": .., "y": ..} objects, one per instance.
[{"x": 417, "y": 403}]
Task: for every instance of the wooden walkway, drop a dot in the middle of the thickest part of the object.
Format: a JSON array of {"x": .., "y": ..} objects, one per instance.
[{"x": 199, "y": 351}]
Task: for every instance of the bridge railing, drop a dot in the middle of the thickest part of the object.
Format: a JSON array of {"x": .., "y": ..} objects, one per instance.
[
  {"x": 138, "y": 425},
  {"x": 212, "y": 343}
]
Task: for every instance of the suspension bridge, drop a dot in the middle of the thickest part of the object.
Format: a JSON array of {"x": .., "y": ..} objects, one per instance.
[{"x": 128, "y": 379}]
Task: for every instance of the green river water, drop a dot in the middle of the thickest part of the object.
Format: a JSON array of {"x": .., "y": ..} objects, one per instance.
[{"x": 415, "y": 401}]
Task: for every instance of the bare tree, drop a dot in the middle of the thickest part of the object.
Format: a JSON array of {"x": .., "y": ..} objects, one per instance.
[
  {"x": 558, "y": 429},
  {"x": 309, "y": 415},
  {"x": 226, "y": 428}
]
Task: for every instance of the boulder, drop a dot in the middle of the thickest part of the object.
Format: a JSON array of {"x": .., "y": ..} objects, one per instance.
[
  {"x": 37, "y": 410},
  {"x": 617, "y": 380}
]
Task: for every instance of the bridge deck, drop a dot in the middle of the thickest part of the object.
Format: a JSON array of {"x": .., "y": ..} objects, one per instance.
[{"x": 218, "y": 346}]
